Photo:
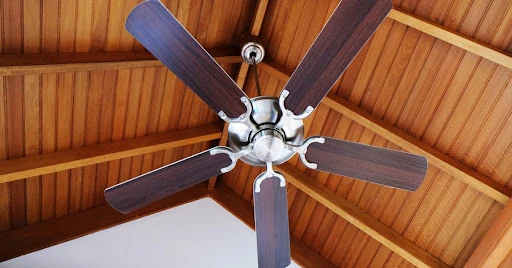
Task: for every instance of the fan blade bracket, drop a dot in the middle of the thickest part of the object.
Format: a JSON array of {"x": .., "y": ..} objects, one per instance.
[
  {"x": 244, "y": 118},
  {"x": 289, "y": 113},
  {"x": 269, "y": 173},
  {"x": 303, "y": 149},
  {"x": 234, "y": 156}
]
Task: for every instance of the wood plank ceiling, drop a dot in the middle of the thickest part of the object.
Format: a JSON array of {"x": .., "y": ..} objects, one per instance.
[
  {"x": 450, "y": 99},
  {"x": 58, "y": 111}
]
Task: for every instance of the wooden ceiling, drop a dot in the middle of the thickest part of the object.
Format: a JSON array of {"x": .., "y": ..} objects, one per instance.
[{"x": 441, "y": 89}]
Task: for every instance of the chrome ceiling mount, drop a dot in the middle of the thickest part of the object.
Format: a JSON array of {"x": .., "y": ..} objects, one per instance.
[{"x": 253, "y": 53}]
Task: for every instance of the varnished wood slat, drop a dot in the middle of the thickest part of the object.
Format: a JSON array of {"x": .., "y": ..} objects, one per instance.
[
  {"x": 35, "y": 237},
  {"x": 32, "y": 133},
  {"x": 11, "y": 170},
  {"x": 64, "y": 116},
  {"x": 453, "y": 167},
  {"x": 301, "y": 253},
  {"x": 97, "y": 61},
  {"x": 259, "y": 15},
  {"x": 350, "y": 26},
  {"x": 14, "y": 113},
  {"x": 5, "y": 220},
  {"x": 271, "y": 219},
  {"x": 160, "y": 183},
  {"x": 359, "y": 218},
  {"x": 455, "y": 38},
  {"x": 496, "y": 244}
]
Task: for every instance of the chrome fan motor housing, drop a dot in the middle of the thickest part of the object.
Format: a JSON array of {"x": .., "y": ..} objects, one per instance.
[{"x": 267, "y": 140}]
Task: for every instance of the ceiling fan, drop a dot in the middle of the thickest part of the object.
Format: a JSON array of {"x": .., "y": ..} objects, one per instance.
[{"x": 266, "y": 131}]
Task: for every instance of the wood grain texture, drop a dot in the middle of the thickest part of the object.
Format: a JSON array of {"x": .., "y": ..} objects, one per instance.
[
  {"x": 346, "y": 32},
  {"x": 496, "y": 244},
  {"x": 374, "y": 164},
  {"x": 78, "y": 157},
  {"x": 453, "y": 37},
  {"x": 436, "y": 158},
  {"x": 35, "y": 237},
  {"x": 161, "y": 33},
  {"x": 360, "y": 218},
  {"x": 409, "y": 143},
  {"x": 301, "y": 253},
  {"x": 450, "y": 99},
  {"x": 435, "y": 92},
  {"x": 94, "y": 61},
  {"x": 160, "y": 183},
  {"x": 258, "y": 16},
  {"x": 14, "y": 97},
  {"x": 271, "y": 219}
]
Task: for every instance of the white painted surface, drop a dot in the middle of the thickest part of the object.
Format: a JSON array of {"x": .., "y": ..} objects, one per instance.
[{"x": 197, "y": 234}]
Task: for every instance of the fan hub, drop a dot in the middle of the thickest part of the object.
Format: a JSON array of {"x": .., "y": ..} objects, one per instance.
[
  {"x": 267, "y": 140},
  {"x": 268, "y": 145}
]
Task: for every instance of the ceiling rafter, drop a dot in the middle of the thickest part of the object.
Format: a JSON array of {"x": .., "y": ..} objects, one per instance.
[
  {"x": 496, "y": 245},
  {"x": 403, "y": 17},
  {"x": 359, "y": 218},
  {"x": 19, "y": 168},
  {"x": 444, "y": 162},
  {"x": 453, "y": 37},
  {"x": 25, "y": 64}
]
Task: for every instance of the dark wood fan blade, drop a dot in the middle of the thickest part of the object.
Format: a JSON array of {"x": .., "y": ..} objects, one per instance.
[
  {"x": 161, "y": 33},
  {"x": 271, "y": 217},
  {"x": 350, "y": 26},
  {"x": 369, "y": 163},
  {"x": 160, "y": 183}
]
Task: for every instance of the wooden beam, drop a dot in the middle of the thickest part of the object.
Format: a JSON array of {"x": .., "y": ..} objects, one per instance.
[
  {"x": 496, "y": 244},
  {"x": 37, "y": 236},
  {"x": 359, "y": 218},
  {"x": 243, "y": 210},
  {"x": 444, "y": 162},
  {"x": 20, "y": 168},
  {"x": 23, "y": 64},
  {"x": 259, "y": 15},
  {"x": 455, "y": 38}
]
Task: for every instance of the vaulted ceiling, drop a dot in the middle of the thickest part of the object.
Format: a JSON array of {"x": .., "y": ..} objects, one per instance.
[{"x": 435, "y": 79}]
